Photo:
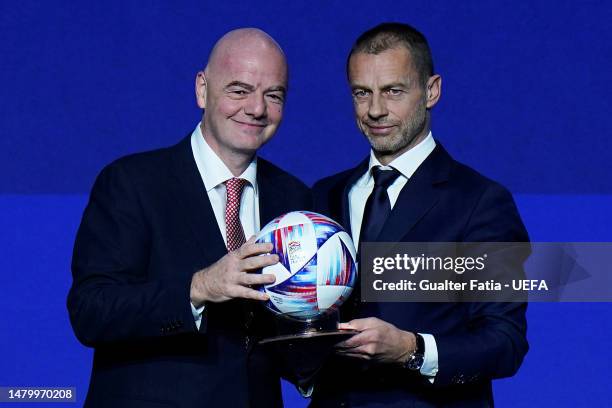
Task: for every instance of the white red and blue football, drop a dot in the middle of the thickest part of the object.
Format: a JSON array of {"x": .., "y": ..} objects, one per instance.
[{"x": 316, "y": 272}]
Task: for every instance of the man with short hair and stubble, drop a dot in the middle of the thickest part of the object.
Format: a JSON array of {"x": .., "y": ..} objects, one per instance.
[
  {"x": 163, "y": 286},
  {"x": 410, "y": 189}
]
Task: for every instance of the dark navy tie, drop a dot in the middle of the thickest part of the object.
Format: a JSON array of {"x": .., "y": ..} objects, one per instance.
[
  {"x": 378, "y": 206},
  {"x": 375, "y": 213}
]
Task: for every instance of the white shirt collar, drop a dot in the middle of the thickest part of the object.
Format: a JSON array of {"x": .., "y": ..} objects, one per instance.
[
  {"x": 407, "y": 163},
  {"x": 211, "y": 167}
]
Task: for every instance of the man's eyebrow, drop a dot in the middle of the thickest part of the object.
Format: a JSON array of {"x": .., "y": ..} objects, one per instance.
[
  {"x": 385, "y": 87},
  {"x": 241, "y": 84},
  {"x": 278, "y": 88},
  {"x": 394, "y": 85},
  {"x": 357, "y": 86}
]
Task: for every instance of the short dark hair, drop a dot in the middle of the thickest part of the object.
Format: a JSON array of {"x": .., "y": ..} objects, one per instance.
[{"x": 386, "y": 36}]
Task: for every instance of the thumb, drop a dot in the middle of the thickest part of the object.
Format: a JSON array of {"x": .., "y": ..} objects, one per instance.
[
  {"x": 344, "y": 326},
  {"x": 355, "y": 324}
]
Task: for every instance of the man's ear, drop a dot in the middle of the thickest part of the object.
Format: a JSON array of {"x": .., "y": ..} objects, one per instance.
[
  {"x": 433, "y": 90},
  {"x": 200, "y": 89}
]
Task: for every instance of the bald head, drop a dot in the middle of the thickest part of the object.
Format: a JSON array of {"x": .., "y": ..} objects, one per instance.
[
  {"x": 244, "y": 43},
  {"x": 242, "y": 92}
]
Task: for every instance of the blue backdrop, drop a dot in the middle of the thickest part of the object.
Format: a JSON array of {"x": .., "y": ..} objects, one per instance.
[{"x": 525, "y": 101}]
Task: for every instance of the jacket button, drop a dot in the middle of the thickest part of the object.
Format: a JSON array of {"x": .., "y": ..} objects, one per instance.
[
  {"x": 248, "y": 321},
  {"x": 459, "y": 379}
]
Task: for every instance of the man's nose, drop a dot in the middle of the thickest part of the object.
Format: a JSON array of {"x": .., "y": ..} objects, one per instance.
[
  {"x": 377, "y": 107},
  {"x": 256, "y": 105}
]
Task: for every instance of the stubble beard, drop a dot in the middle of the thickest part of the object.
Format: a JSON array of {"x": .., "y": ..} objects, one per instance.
[{"x": 403, "y": 140}]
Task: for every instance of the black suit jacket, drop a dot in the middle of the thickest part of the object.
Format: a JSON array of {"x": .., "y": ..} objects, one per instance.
[
  {"x": 148, "y": 227},
  {"x": 444, "y": 201}
]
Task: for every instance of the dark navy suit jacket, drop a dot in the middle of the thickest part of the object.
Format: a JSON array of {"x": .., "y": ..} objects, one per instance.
[
  {"x": 148, "y": 227},
  {"x": 444, "y": 201}
]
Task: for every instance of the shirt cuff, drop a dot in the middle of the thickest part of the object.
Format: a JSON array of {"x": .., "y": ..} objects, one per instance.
[
  {"x": 197, "y": 314},
  {"x": 430, "y": 362}
]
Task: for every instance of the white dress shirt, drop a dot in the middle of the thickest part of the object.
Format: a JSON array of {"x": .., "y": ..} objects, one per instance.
[
  {"x": 406, "y": 164},
  {"x": 214, "y": 174}
]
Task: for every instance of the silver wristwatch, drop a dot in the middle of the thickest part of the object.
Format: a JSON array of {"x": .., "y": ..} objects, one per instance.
[{"x": 417, "y": 358}]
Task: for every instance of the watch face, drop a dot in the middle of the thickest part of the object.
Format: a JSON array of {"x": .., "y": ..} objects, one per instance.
[{"x": 415, "y": 362}]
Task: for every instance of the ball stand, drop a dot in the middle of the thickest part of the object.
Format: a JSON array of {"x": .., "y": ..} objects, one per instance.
[
  {"x": 303, "y": 346},
  {"x": 323, "y": 329}
]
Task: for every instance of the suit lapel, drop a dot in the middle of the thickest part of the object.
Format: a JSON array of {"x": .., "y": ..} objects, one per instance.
[
  {"x": 271, "y": 203},
  {"x": 191, "y": 195},
  {"x": 419, "y": 195},
  {"x": 345, "y": 214}
]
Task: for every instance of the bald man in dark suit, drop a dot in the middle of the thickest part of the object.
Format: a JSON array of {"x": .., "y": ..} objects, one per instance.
[{"x": 163, "y": 283}]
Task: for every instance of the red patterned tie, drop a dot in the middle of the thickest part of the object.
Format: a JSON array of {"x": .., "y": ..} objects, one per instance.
[{"x": 233, "y": 227}]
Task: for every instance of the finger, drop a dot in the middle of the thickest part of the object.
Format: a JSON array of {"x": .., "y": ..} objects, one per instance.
[
  {"x": 256, "y": 279},
  {"x": 248, "y": 293},
  {"x": 342, "y": 345},
  {"x": 258, "y": 262},
  {"x": 355, "y": 341},
  {"x": 251, "y": 248},
  {"x": 373, "y": 322},
  {"x": 363, "y": 324},
  {"x": 351, "y": 342},
  {"x": 365, "y": 349},
  {"x": 354, "y": 355},
  {"x": 355, "y": 324},
  {"x": 345, "y": 326}
]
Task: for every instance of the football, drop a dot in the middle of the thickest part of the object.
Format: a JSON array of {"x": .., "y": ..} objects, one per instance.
[{"x": 316, "y": 271}]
